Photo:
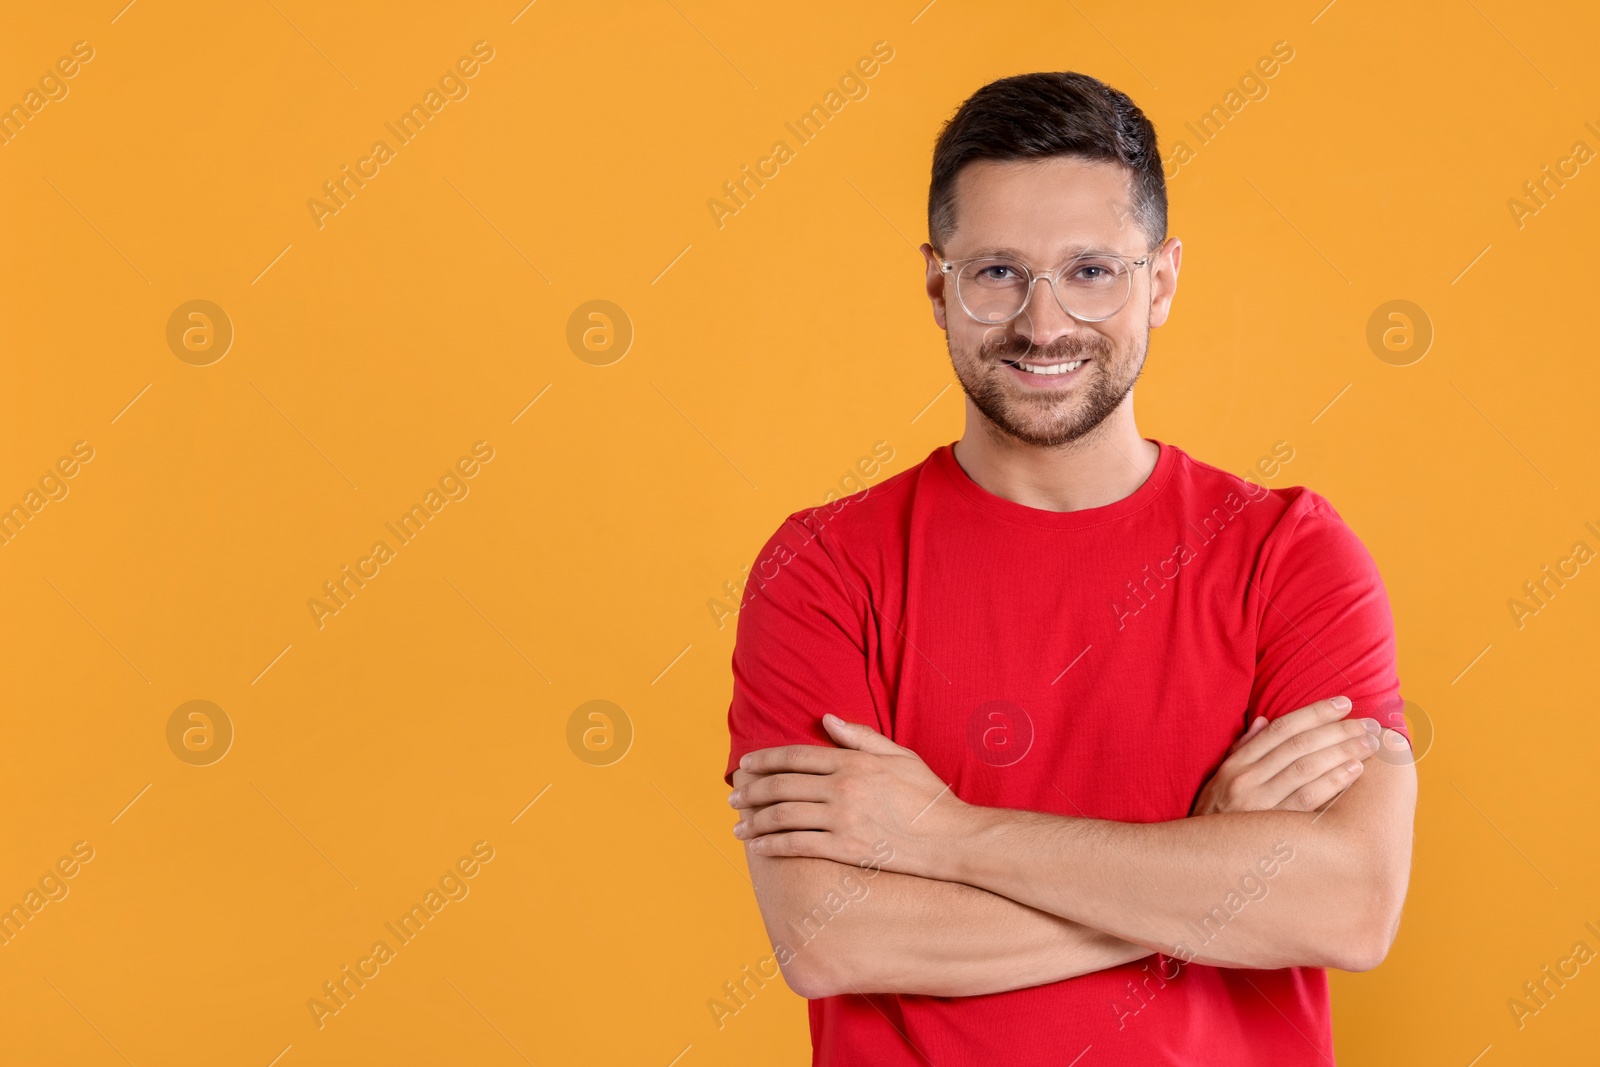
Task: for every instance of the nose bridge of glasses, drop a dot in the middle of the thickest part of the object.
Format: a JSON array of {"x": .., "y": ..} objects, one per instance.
[{"x": 1043, "y": 316}]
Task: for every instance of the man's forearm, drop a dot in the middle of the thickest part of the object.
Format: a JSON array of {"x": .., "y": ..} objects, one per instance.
[
  {"x": 1176, "y": 887},
  {"x": 1200, "y": 887},
  {"x": 840, "y": 929}
]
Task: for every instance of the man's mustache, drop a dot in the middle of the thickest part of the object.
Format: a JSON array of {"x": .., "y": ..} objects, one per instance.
[{"x": 1012, "y": 346}]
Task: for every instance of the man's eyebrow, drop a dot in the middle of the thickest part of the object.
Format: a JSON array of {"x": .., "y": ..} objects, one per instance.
[{"x": 1072, "y": 250}]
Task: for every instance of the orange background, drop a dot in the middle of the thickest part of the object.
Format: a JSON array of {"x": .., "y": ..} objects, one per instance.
[{"x": 768, "y": 357}]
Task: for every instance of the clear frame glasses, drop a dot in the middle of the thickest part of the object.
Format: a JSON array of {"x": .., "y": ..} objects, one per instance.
[{"x": 1091, "y": 287}]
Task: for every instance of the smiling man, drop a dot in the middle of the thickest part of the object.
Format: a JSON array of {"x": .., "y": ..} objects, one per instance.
[{"x": 1087, "y": 719}]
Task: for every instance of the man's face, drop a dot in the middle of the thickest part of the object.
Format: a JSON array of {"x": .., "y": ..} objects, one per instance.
[{"x": 1047, "y": 210}]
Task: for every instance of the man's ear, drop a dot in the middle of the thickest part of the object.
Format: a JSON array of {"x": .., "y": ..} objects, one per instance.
[
  {"x": 935, "y": 284},
  {"x": 1164, "y": 280}
]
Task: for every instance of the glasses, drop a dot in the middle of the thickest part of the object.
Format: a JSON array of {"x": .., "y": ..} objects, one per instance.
[{"x": 1091, "y": 287}]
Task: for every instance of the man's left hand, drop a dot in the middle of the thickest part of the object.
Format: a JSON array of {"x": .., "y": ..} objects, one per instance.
[{"x": 842, "y": 803}]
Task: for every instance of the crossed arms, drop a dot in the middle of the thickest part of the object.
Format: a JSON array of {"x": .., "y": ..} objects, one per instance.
[{"x": 966, "y": 900}]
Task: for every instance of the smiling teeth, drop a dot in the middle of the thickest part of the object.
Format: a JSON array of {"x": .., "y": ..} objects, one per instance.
[{"x": 1059, "y": 368}]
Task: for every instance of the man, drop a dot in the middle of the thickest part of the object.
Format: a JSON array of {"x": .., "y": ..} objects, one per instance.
[{"x": 1079, "y": 724}]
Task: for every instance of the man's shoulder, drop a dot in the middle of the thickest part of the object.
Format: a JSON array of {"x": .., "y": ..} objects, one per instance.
[
  {"x": 831, "y": 548},
  {"x": 1295, "y": 538},
  {"x": 1277, "y": 511},
  {"x": 874, "y": 513}
]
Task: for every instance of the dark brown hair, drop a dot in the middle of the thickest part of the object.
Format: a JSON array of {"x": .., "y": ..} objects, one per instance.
[{"x": 1035, "y": 116}]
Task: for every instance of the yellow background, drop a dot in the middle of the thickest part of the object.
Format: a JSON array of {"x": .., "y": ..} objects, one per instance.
[{"x": 769, "y": 355}]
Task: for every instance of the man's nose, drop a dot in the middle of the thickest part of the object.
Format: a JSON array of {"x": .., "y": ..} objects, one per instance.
[{"x": 1043, "y": 319}]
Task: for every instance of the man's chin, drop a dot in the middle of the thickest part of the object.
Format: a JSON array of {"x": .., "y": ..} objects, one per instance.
[{"x": 1041, "y": 433}]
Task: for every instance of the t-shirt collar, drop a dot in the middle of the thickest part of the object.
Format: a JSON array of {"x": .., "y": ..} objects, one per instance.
[{"x": 944, "y": 461}]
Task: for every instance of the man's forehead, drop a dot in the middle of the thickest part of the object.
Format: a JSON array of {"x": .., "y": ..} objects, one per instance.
[
  {"x": 1057, "y": 178},
  {"x": 1055, "y": 206}
]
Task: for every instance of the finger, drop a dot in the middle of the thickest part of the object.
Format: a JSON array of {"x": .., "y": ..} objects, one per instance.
[
  {"x": 1313, "y": 795},
  {"x": 1288, "y": 725},
  {"x": 859, "y": 736},
  {"x": 1256, "y": 726},
  {"x": 1319, "y": 738},
  {"x": 1309, "y": 768},
  {"x": 802, "y": 843},
  {"x": 784, "y": 817},
  {"x": 742, "y": 777},
  {"x": 807, "y": 759},
  {"x": 1393, "y": 747},
  {"x": 773, "y": 788}
]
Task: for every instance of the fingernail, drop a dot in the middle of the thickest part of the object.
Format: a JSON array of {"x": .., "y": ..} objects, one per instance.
[
  {"x": 1342, "y": 703},
  {"x": 738, "y": 829},
  {"x": 733, "y": 799},
  {"x": 1370, "y": 725},
  {"x": 834, "y": 719},
  {"x": 1353, "y": 767},
  {"x": 1371, "y": 742}
]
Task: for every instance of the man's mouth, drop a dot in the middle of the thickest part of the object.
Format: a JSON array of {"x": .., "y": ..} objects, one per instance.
[{"x": 1045, "y": 369}]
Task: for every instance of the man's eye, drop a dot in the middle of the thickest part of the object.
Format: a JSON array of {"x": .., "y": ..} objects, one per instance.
[{"x": 1098, "y": 271}]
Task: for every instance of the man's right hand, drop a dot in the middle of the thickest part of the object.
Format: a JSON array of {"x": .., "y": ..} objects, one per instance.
[{"x": 1297, "y": 762}]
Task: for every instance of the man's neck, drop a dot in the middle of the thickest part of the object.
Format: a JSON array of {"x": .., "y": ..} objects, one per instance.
[{"x": 1098, "y": 469}]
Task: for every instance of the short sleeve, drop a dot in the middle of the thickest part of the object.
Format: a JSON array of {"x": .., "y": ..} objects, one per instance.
[
  {"x": 1325, "y": 625},
  {"x": 799, "y": 650}
]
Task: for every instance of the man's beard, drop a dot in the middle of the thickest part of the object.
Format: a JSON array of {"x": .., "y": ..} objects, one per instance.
[{"x": 1059, "y": 419}]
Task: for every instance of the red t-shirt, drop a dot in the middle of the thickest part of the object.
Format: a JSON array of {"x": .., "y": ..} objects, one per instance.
[{"x": 1095, "y": 663}]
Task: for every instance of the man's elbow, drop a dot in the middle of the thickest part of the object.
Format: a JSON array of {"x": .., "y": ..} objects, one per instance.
[
  {"x": 836, "y": 965},
  {"x": 1366, "y": 943},
  {"x": 804, "y": 983},
  {"x": 1364, "y": 953},
  {"x": 813, "y": 976}
]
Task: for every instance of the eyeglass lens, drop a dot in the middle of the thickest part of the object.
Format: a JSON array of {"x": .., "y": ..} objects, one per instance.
[{"x": 1090, "y": 287}]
